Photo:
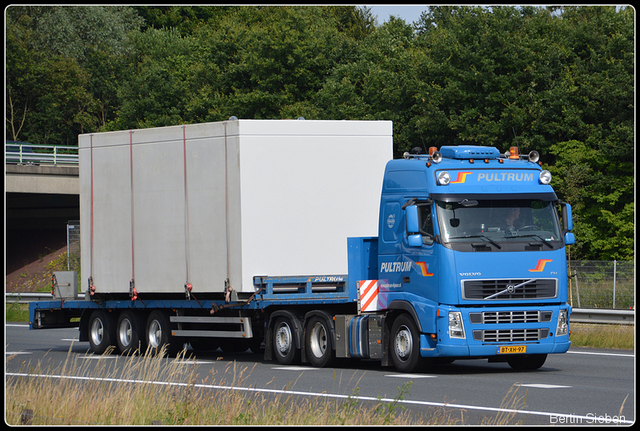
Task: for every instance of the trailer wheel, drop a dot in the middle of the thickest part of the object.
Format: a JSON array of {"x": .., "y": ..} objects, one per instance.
[
  {"x": 317, "y": 343},
  {"x": 284, "y": 344},
  {"x": 527, "y": 362},
  {"x": 130, "y": 333},
  {"x": 101, "y": 331},
  {"x": 405, "y": 345},
  {"x": 158, "y": 334}
]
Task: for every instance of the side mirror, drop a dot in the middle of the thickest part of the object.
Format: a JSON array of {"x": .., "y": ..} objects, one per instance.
[
  {"x": 413, "y": 226},
  {"x": 413, "y": 223},
  {"x": 567, "y": 218},
  {"x": 569, "y": 238}
]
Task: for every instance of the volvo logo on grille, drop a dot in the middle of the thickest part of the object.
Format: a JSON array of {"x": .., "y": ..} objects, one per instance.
[{"x": 510, "y": 288}]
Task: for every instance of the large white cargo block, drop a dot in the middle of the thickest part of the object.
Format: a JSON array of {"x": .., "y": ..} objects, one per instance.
[{"x": 204, "y": 203}]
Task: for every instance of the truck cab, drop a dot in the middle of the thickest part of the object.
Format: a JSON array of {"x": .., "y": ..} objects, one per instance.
[{"x": 472, "y": 246}]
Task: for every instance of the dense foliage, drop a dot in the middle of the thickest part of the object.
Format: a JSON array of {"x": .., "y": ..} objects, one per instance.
[{"x": 558, "y": 80}]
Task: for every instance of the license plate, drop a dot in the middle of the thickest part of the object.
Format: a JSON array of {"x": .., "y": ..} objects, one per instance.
[{"x": 512, "y": 349}]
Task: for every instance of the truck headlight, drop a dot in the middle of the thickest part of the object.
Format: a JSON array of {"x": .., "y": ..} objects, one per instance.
[
  {"x": 563, "y": 323},
  {"x": 456, "y": 327}
]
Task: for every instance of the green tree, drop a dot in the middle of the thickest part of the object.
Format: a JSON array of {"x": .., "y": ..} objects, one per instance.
[
  {"x": 379, "y": 84},
  {"x": 55, "y": 57}
]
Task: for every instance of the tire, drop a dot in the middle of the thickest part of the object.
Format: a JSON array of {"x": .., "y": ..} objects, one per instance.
[
  {"x": 158, "y": 334},
  {"x": 102, "y": 333},
  {"x": 317, "y": 342},
  {"x": 404, "y": 345},
  {"x": 284, "y": 345},
  {"x": 527, "y": 362},
  {"x": 130, "y": 333}
]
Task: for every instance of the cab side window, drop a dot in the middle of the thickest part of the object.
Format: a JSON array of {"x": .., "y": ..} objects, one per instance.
[{"x": 426, "y": 220}]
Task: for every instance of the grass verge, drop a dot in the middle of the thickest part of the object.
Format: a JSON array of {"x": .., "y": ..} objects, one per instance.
[{"x": 90, "y": 392}]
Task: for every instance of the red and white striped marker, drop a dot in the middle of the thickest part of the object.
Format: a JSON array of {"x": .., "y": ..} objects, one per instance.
[{"x": 369, "y": 290}]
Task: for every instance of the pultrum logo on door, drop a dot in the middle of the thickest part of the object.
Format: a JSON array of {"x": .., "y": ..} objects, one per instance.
[
  {"x": 424, "y": 269},
  {"x": 540, "y": 266},
  {"x": 461, "y": 178}
]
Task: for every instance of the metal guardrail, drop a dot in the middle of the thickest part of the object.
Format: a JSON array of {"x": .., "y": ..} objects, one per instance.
[
  {"x": 603, "y": 315},
  {"x": 29, "y": 154},
  {"x": 578, "y": 315},
  {"x": 25, "y": 298}
]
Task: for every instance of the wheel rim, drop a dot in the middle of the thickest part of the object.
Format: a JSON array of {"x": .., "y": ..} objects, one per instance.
[
  {"x": 318, "y": 340},
  {"x": 404, "y": 343},
  {"x": 97, "y": 331},
  {"x": 283, "y": 339},
  {"x": 125, "y": 332},
  {"x": 155, "y": 334}
]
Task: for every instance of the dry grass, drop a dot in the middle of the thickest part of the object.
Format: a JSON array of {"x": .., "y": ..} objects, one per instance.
[
  {"x": 110, "y": 392},
  {"x": 603, "y": 336}
]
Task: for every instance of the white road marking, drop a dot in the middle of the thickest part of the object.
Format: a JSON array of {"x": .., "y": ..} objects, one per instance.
[
  {"x": 19, "y": 353},
  {"x": 192, "y": 362},
  {"x": 543, "y": 386},
  {"x": 572, "y": 417},
  {"x": 411, "y": 376},
  {"x": 99, "y": 357},
  {"x": 294, "y": 368},
  {"x": 602, "y": 354}
]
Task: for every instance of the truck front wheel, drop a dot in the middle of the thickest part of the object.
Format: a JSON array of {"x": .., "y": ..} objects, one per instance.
[
  {"x": 101, "y": 331},
  {"x": 527, "y": 362},
  {"x": 317, "y": 343},
  {"x": 284, "y": 345},
  {"x": 405, "y": 345}
]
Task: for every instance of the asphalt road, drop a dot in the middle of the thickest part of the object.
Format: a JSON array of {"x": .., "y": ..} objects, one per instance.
[{"x": 583, "y": 386}]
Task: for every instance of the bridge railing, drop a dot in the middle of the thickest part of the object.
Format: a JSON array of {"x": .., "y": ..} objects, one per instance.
[{"x": 22, "y": 153}]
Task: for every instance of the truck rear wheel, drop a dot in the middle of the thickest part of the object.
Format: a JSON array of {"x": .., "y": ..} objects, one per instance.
[
  {"x": 158, "y": 334},
  {"x": 284, "y": 344},
  {"x": 405, "y": 345},
  {"x": 130, "y": 333},
  {"x": 317, "y": 343},
  {"x": 102, "y": 332}
]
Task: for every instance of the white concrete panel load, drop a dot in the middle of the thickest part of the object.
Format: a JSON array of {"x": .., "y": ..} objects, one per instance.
[{"x": 206, "y": 203}]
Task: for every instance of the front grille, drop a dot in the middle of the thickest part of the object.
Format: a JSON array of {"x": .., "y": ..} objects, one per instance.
[
  {"x": 543, "y": 288},
  {"x": 529, "y": 316},
  {"x": 510, "y": 335}
]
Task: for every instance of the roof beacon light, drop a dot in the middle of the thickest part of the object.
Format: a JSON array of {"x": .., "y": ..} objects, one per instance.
[{"x": 514, "y": 153}]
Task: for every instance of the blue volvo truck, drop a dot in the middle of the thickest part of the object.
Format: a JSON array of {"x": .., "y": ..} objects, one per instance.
[{"x": 469, "y": 262}]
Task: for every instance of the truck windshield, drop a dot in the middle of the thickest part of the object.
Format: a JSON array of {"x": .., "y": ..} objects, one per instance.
[{"x": 500, "y": 223}]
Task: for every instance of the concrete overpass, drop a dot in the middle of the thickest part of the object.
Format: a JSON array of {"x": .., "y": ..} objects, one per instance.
[
  {"x": 42, "y": 179},
  {"x": 39, "y": 201}
]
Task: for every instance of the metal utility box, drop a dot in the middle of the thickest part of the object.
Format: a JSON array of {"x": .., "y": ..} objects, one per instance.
[
  {"x": 65, "y": 284},
  {"x": 206, "y": 203}
]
